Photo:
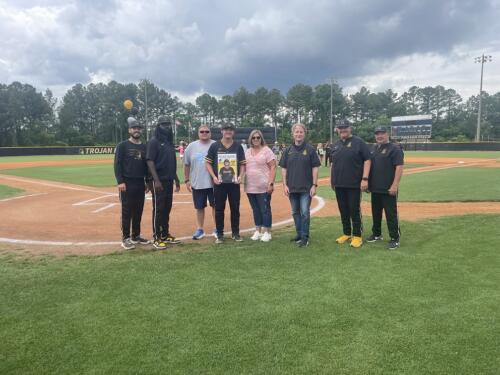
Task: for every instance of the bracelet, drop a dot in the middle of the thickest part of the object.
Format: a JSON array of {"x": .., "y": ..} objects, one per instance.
[
  {"x": 365, "y": 178},
  {"x": 186, "y": 181}
]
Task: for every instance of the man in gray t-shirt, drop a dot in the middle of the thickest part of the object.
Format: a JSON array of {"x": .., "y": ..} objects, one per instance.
[{"x": 198, "y": 180}]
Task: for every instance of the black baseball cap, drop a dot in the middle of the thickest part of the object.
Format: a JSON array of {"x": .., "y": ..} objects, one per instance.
[
  {"x": 227, "y": 125},
  {"x": 380, "y": 129},
  {"x": 342, "y": 124},
  {"x": 164, "y": 120},
  {"x": 133, "y": 123}
]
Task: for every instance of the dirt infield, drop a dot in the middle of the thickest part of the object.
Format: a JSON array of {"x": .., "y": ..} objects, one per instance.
[{"x": 53, "y": 217}]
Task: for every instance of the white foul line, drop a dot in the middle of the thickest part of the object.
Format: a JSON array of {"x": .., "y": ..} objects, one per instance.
[
  {"x": 319, "y": 206},
  {"x": 21, "y": 197}
]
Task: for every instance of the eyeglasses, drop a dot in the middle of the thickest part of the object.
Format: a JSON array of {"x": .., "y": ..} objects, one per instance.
[
  {"x": 256, "y": 137},
  {"x": 204, "y": 131}
]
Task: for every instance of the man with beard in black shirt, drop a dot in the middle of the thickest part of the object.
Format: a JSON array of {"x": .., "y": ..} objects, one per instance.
[
  {"x": 162, "y": 164},
  {"x": 350, "y": 159},
  {"x": 130, "y": 172},
  {"x": 385, "y": 175}
]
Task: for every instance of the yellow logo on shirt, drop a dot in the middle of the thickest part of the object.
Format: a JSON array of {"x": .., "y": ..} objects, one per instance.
[
  {"x": 349, "y": 144},
  {"x": 384, "y": 150},
  {"x": 304, "y": 153}
]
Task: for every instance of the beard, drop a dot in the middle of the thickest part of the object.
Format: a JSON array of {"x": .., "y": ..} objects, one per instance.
[{"x": 165, "y": 134}]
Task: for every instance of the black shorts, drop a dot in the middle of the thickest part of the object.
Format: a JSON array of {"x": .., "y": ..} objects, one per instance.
[{"x": 201, "y": 196}]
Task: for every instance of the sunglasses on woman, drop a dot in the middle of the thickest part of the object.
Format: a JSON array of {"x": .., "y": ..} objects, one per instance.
[
  {"x": 204, "y": 131},
  {"x": 256, "y": 137}
]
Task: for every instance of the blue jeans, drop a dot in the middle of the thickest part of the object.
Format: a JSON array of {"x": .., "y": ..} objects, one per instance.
[
  {"x": 261, "y": 207},
  {"x": 301, "y": 212}
]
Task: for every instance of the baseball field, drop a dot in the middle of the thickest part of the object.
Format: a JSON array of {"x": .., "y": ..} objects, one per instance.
[{"x": 71, "y": 301}]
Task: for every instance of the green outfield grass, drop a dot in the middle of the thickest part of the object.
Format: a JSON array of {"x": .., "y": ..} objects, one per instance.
[
  {"x": 7, "y": 191},
  {"x": 430, "y": 307},
  {"x": 97, "y": 175},
  {"x": 19, "y": 159},
  {"x": 447, "y": 185},
  {"x": 455, "y": 154}
]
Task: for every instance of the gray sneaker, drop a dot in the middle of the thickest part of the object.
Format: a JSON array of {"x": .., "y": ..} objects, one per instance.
[{"x": 127, "y": 244}]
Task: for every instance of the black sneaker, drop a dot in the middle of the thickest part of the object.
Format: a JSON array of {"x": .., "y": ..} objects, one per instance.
[
  {"x": 171, "y": 240},
  {"x": 236, "y": 237},
  {"x": 127, "y": 244},
  {"x": 393, "y": 244},
  {"x": 303, "y": 243},
  {"x": 374, "y": 238},
  {"x": 140, "y": 240},
  {"x": 295, "y": 239},
  {"x": 219, "y": 240}
]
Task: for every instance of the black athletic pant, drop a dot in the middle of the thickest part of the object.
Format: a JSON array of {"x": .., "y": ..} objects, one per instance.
[
  {"x": 132, "y": 200},
  {"x": 349, "y": 202},
  {"x": 222, "y": 193},
  {"x": 162, "y": 205},
  {"x": 389, "y": 204}
]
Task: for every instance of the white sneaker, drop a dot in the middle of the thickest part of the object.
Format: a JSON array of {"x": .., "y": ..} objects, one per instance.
[
  {"x": 256, "y": 236},
  {"x": 266, "y": 237}
]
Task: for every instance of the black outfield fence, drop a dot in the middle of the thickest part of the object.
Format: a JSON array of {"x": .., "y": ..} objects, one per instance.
[{"x": 103, "y": 150}]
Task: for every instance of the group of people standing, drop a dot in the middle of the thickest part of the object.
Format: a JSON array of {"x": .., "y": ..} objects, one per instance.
[{"x": 214, "y": 171}]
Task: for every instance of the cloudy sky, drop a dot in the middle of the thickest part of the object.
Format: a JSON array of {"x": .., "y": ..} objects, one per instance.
[{"x": 188, "y": 47}]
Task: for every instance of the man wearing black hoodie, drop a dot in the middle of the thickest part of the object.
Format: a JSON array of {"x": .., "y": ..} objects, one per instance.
[{"x": 162, "y": 164}]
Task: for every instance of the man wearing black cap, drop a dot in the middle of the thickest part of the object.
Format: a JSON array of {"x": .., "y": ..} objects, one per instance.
[
  {"x": 162, "y": 164},
  {"x": 385, "y": 174},
  {"x": 130, "y": 172},
  {"x": 350, "y": 159},
  {"x": 228, "y": 154}
]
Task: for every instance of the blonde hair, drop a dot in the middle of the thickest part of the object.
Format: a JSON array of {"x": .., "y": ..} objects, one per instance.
[
  {"x": 301, "y": 125},
  {"x": 262, "y": 140}
]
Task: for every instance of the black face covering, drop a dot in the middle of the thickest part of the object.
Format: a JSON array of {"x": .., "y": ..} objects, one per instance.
[{"x": 164, "y": 134}]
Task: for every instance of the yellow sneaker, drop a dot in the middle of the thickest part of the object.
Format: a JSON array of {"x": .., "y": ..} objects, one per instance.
[
  {"x": 343, "y": 239},
  {"x": 356, "y": 241}
]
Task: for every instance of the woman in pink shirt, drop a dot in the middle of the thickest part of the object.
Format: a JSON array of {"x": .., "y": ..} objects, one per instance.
[{"x": 260, "y": 176}]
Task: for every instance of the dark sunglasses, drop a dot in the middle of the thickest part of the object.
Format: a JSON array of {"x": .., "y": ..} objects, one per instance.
[
  {"x": 256, "y": 137},
  {"x": 204, "y": 131}
]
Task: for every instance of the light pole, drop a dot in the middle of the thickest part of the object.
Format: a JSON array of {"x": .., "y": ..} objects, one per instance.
[
  {"x": 331, "y": 110},
  {"x": 481, "y": 59}
]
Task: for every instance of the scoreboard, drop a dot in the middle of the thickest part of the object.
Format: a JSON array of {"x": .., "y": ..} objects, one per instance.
[{"x": 411, "y": 127}]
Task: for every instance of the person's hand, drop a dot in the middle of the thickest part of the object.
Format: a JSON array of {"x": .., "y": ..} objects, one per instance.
[
  {"x": 393, "y": 190},
  {"x": 238, "y": 180},
  {"x": 270, "y": 188},
  {"x": 188, "y": 187},
  {"x": 177, "y": 187},
  {"x": 286, "y": 191},
  {"x": 122, "y": 187},
  {"x": 364, "y": 185},
  {"x": 158, "y": 186},
  {"x": 217, "y": 180},
  {"x": 312, "y": 192}
]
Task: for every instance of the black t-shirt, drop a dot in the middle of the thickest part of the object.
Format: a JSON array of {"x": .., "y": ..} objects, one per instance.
[
  {"x": 130, "y": 161},
  {"x": 348, "y": 157},
  {"x": 385, "y": 158},
  {"x": 163, "y": 155},
  {"x": 299, "y": 162},
  {"x": 234, "y": 154}
]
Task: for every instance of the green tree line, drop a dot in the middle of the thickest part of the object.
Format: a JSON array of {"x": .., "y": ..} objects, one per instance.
[{"x": 94, "y": 114}]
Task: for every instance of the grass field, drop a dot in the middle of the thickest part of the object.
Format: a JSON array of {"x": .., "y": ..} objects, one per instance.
[
  {"x": 19, "y": 159},
  {"x": 429, "y": 308},
  {"x": 455, "y": 154},
  {"x": 7, "y": 191},
  {"x": 455, "y": 184}
]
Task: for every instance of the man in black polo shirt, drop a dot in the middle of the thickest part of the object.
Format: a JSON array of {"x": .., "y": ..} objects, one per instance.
[
  {"x": 350, "y": 158},
  {"x": 228, "y": 156},
  {"x": 385, "y": 175},
  {"x": 299, "y": 169},
  {"x": 162, "y": 164},
  {"x": 130, "y": 172}
]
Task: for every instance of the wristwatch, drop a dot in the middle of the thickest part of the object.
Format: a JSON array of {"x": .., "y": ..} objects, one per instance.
[
  {"x": 315, "y": 185},
  {"x": 365, "y": 178},
  {"x": 186, "y": 181},
  {"x": 271, "y": 184}
]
